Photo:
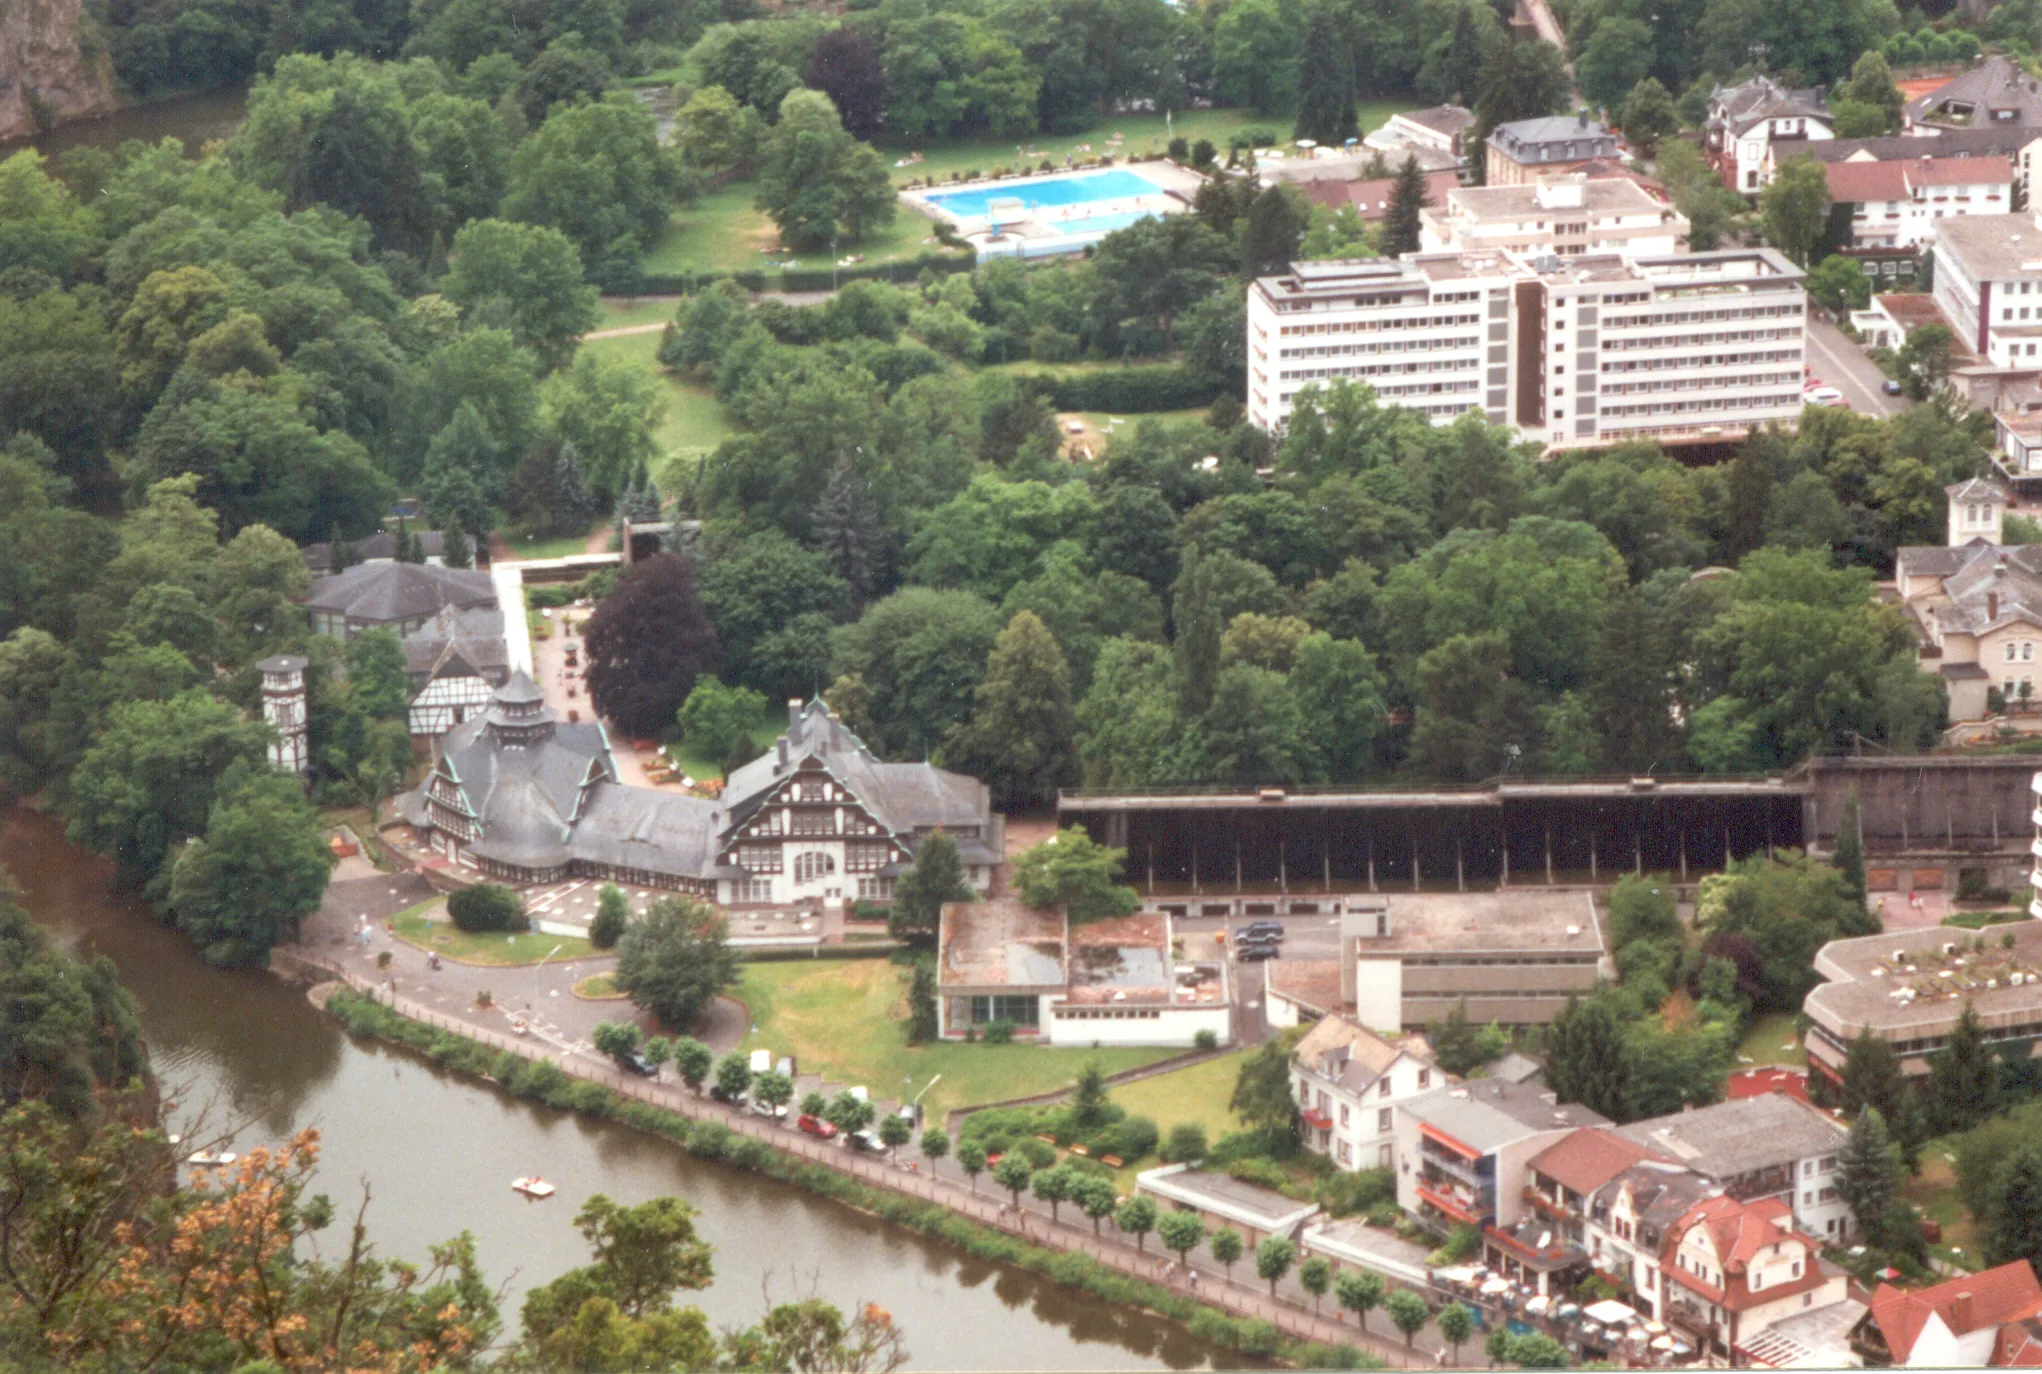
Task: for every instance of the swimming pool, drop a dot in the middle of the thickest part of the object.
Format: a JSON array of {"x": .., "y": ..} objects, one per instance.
[{"x": 1071, "y": 190}]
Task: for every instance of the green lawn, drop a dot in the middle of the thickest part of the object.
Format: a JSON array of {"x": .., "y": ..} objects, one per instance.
[
  {"x": 1198, "y": 1095},
  {"x": 503, "y": 950},
  {"x": 599, "y": 987},
  {"x": 1934, "y": 1191},
  {"x": 1129, "y": 419},
  {"x": 721, "y": 232},
  {"x": 845, "y": 1019},
  {"x": 695, "y": 420},
  {"x": 1766, "y": 1043},
  {"x": 1141, "y": 134},
  {"x": 560, "y": 547}
]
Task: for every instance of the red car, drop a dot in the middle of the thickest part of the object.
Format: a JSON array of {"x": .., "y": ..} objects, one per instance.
[{"x": 816, "y": 1126}]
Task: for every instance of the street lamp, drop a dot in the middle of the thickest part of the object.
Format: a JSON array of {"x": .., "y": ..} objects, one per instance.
[{"x": 533, "y": 1005}]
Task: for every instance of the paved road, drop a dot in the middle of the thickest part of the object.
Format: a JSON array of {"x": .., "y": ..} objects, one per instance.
[{"x": 1841, "y": 363}]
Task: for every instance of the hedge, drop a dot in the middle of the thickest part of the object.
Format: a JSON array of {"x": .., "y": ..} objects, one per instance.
[
  {"x": 546, "y": 1082},
  {"x": 810, "y": 278},
  {"x": 863, "y": 949},
  {"x": 1156, "y": 386}
]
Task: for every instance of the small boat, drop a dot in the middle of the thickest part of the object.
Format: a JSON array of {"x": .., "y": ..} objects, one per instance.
[
  {"x": 206, "y": 1159},
  {"x": 533, "y": 1187}
]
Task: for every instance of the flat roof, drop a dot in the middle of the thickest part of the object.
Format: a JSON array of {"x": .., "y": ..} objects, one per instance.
[
  {"x": 1617, "y": 195},
  {"x": 1992, "y": 245},
  {"x": 1738, "y": 1137},
  {"x": 1486, "y": 1114},
  {"x": 1265, "y": 1209},
  {"x": 1553, "y": 921},
  {"x": 1001, "y": 943},
  {"x": 1903, "y": 986},
  {"x": 1390, "y": 798},
  {"x": 1125, "y": 959}
]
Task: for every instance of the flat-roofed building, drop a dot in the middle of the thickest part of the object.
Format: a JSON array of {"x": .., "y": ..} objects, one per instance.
[
  {"x": 1513, "y": 957},
  {"x": 1909, "y": 987},
  {"x": 1568, "y": 351},
  {"x": 1989, "y": 285},
  {"x": 1221, "y": 1200},
  {"x": 1773, "y": 1146},
  {"x": 1462, "y": 1151},
  {"x": 1566, "y": 215},
  {"x": 1112, "y": 982}
]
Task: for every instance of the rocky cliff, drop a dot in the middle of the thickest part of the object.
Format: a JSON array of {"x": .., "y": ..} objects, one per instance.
[{"x": 50, "y": 71}]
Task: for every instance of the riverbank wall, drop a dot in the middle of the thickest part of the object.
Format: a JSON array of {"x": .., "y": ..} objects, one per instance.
[{"x": 1231, "y": 1316}]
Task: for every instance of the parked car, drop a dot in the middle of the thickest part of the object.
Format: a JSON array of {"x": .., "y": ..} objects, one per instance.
[
  {"x": 868, "y": 1142},
  {"x": 762, "y": 1062},
  {"x": 635, "y": 1062},
  {"x": 1824, "y": 396},
  {"x": 1891, "y": 387},
  {"x": 1254, "y": 950},
  {"x": 1260, "y": 930},
  {"x": 816, "y": 1126},
  {"x": 776, "y": 1112},
  {"x": 727, "y": 1099}
]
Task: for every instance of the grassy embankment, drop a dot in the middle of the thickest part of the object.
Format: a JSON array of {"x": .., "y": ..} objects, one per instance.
[{"x": 843, "y": 1019}]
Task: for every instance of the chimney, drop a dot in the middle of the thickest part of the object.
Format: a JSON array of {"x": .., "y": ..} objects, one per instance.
[
  {"x": 1992, "y": 605},
  {"x": 1582, "y": 116},
  {"x": 780, "y": 748},
  {"x": 1960, "y": 1314},
  {"x": 794, "y": 719}
]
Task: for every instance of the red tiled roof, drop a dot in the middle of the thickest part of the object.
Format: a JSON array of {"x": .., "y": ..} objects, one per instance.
[
  {"x": 1372, "y": 198},
  {"x": 2019, "y": 1345},
  {"x": 1758, "y": 1082},
  {"x": 1966, "y": 1303},
  {"x": 1586, "y": 1159},
  {"x": 1960, "y": 171},
  {"x": 1740, "y": 1230},
  {"x": 1862, "y": 181}
]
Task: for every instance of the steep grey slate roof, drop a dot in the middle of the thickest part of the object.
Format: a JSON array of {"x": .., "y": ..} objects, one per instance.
[
  {"x": 1555, "y": 138},
  {"x": 528, "y": 790},
  {"x": 1994, "y": 589},
  {"x": 2006, "y": 141},
  {"x": 661, "y": 832},
  {"x": 390, "y": 593},
  {"x": 456, "y": 636},
  {"x": 1761, "y": 97},
  {"x": 901, "y": 796},
  {"x": 1997, "y": 90}
]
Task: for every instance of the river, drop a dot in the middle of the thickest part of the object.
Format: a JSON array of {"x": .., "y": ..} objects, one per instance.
[
  {"x": 196, "y": 119},
  {"x": 438, "y": 1153}
]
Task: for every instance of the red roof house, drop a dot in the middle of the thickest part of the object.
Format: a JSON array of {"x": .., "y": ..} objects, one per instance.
[{"x": 1974, "y": 1321}]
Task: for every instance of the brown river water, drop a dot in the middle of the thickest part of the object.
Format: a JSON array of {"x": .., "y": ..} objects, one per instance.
[{"x": 438, "y": 1153}]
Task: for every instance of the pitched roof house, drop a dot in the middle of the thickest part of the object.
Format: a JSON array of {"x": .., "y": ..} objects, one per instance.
[
  {"x": 528, "y": 798},
  {"x": 1975, "y": 604},
  {"x": 1348, "y": 1081},
  {"x": 1371, "y": 199},
  {"x": 1989, "y": 1319},
  {"x": 1756, "y": 123},
  {"x": 1527, "y": 149},
  {"x": 1733, "y": 1268},
  {"x": 1995, "y": 93},
  {"x": 1758, "y": 1147},
  {"x": 392, "y": 596}
]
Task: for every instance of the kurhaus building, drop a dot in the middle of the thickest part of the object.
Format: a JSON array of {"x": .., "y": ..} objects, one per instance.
[{"x": 527, "y": 798}]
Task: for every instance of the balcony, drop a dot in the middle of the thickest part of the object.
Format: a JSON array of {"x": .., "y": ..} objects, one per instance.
[
  {"x": 1455, "y": 1166},
  {"x": 1472, "y": 1205}
]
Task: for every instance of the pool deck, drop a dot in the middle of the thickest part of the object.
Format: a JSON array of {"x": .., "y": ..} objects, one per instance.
[{"x": 1066, "y": 226}]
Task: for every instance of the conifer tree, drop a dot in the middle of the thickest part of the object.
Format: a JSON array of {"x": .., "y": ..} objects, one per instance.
[
  {"x": 1585, "y": 1061},
  {"x": 1274, "y": 232},
  {"x": 1848, "y": 858},
  {"x": 1325, "y": 82},
  {"x": 454, "y": 548},
  {"x": 1868, "y": 1171},
  {"x": 1401, "y": 228},
  {"x": 1964, "y": 1077},
  {"x": 572, "y": 505},
  {"x": 2014, "y": 1221},
  {"x": 1871, "y": 1078},
  {"x": 845, "y": 528},
  {"x": 1023, "y": 727}
]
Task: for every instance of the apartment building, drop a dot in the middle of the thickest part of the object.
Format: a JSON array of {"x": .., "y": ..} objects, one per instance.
[
  {"x": 1349, "y": 1081},
  {"x": 1756, "y": 124},
  {"x": 1898, "y": 207},
  {"x": 1566, "y": 215},
  {"x": 1734, "y": 1268},
  {"x": 1696, "y": 346},
  {"x": 1462, "y": 1151},
  {"x": 1771, "y": 1146},
  {"x": 1989, "y": 285},
  {"x": 1528, "y": 149}
]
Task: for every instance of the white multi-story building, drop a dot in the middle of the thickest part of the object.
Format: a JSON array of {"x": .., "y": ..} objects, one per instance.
[
  {"x": 1900, "y": 205},
  {"x": 1989, "y": 285},
  {"x": 1567, "y": 215},
  {"x": 1349, "y": 1081},
  {"x": 1568, "y": 351}
]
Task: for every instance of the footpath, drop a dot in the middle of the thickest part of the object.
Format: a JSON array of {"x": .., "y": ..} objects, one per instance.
[{"x": 1242, "y": 1295}]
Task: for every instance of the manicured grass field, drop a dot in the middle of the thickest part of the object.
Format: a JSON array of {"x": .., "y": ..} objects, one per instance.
[
  {"x": 845, "y": 1019},
  {"x": 1935, "y": 1192},
  {"x": 1766, "y": 1043},
  {"x": 1198, "y": 1095},
  {"x": 547, "y": 548},
  {"x": 1140, "y": 134},
  {"x": 695, "y": 420},
  {"x": 506, "y": 951},
  {"x": 721, "y": 232}
]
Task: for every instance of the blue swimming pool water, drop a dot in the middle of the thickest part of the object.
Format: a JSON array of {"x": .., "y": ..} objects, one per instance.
[{"x": 1074, "y": 190}]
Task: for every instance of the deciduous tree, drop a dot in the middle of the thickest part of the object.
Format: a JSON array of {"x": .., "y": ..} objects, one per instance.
[
  {"x": 673, "y": 959},
  {"x": 647, "y": 643}
]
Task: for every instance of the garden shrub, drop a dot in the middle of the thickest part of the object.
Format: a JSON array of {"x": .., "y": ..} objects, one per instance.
[
  {"x": 1263, "y": 1173},
  {"x": 999, "y": 1032},
  {"x": 1186, "y": 1144},
  {"x": 1256, "y": 1337},
  {"x": 487, "y": 907},
  {"x": 1038, "y": 1154},
  {"x": 1344, "y": 1194}
]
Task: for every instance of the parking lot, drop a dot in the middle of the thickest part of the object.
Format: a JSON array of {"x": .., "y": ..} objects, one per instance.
[{"x": 1304, "y": 937}]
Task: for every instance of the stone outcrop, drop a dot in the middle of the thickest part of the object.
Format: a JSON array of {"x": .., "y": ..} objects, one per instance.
[{"x": 51, "y": 70}]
